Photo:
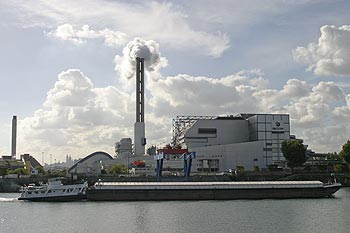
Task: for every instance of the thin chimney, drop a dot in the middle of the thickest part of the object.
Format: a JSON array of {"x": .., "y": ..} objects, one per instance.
[
  {"x": 139, "y": 126},
  {"x": 14, "y": 137}
]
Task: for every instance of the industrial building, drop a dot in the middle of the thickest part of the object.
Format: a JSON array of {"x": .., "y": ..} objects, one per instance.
[{"x": 223, "y": 143}]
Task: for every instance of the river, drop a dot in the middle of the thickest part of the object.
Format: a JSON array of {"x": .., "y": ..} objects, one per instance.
[{"x": 328, "y": 215}]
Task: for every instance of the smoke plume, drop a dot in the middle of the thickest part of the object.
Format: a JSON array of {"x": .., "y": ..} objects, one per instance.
[{"x": 147, "y": 49}]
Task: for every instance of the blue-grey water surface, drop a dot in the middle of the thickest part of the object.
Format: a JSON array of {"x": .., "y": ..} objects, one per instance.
[{"x": 328, "y": 215}]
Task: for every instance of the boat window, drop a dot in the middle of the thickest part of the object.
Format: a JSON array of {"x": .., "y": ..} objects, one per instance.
[
  {"x": 49, "y": 191},
  {"x": 64, "y": 190},
  {"x": 36, "y": 192},
  {"x": 42, "y": 191},
  {"x": 29, "y": 192}
]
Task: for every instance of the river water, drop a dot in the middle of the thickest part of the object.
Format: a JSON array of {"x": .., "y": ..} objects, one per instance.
[{"x": 328, "y": 215}]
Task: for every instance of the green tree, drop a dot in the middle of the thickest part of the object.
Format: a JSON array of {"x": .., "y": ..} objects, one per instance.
[
  {"x": 19, "y": 171},
  {"x": 117, "y": 169},
  {"x": 40, "y": 170},
  {"x": 345, "y": 152},
  {"x": 294, "y": 152}
]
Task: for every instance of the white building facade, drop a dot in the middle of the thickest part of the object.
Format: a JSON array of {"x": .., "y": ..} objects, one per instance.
[{"x": 247, "y": 140}]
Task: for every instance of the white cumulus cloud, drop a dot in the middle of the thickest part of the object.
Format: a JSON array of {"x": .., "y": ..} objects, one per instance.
[
  {"x": 331, "y": 55},
  {"x": 166, "y": 22},
  {"x": 67, "y": 32},
  {"x": 77, "y": 118}
]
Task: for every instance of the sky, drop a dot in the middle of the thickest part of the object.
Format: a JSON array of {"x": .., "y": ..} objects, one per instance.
[{"x": 67, "y": 69}]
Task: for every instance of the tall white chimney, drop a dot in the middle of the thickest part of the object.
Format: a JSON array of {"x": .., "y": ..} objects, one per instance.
[
  {"x": 14, "y": 137},
  {"x": 139, "y": 126}
]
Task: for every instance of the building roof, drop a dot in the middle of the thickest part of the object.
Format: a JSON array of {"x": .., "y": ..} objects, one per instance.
[
  {"x": 88, "y": 157},
  {"x": 33, "y": 162}
]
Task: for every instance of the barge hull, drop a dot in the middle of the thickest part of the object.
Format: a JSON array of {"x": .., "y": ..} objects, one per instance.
[
  {"x": 207, "y": 194},
  {"x": 55, "y": 198}
]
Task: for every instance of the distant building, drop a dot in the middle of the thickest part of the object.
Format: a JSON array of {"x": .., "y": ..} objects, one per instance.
[
  {"x": 91, "y": 164},
  {"x": 69, "y": 161},
  {"x": 123, "y": 148},
  {"x": 31, "y": 163}
]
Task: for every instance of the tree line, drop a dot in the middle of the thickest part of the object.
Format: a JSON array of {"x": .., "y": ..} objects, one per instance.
[{"x": 295, "y": 153}]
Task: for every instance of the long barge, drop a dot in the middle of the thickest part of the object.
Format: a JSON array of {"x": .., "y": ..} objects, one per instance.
[{"x": 153, "y": 191}]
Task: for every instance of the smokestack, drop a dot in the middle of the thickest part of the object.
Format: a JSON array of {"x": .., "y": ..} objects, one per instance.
[
  {"x": 139, "y": 126},
  {"x": 14, "y": 137}
]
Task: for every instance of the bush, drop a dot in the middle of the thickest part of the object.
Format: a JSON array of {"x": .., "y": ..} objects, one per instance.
[
  {"x": 307, "y": 168},
  {"x": 40, "y": 170},
  {"x": 341, "y": 168},
  {"x": 322, "y": 167},
  {"x": 19, "y": 171},
  {"x": 240, "y": 169},
  {"x": 117, "y": 169},
  {"x": 256, "y": 168},
  {"x": 272, "y": 167}
]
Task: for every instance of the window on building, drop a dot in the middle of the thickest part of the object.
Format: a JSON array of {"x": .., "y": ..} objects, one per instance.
[{"x": 207, "y": 130}]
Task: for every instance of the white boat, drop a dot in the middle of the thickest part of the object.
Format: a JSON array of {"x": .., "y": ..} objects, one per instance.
[{"x": 53, "y": 190}]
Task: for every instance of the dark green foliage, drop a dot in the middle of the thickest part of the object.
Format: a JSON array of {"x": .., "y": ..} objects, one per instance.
[
  {"x": 333, "y": 156},
  {"x": 40, "y": 170},
  {"x": 239, "y": 169},
  {"x": 345, "y": 152},
  {"x": 322, "y": 167},
  {"x": 19, "y": 171},
  {"x": 294, "y": 152},
  {"x": 341, "y": 168},
  {"x": 307, "y": 168},
  {"x": 117, "y": 169},
  {"x": 272, "y": 167},
  {"x": 57, "y": 173}
]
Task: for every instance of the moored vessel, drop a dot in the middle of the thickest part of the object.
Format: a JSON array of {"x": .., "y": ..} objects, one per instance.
[
  {"x": 53, "y": 190},
  {"x": 151, "y": 191}
]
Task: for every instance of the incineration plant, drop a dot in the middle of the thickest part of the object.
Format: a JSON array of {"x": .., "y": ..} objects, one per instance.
[{"x": 221, "y": 143}]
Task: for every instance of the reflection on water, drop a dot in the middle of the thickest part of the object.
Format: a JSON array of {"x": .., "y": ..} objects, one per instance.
[
  {"x": 263, "y": 216},
  {"x": 140, "y": 218}
]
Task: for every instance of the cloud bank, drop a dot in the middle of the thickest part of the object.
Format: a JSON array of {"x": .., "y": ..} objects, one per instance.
[
  {"x": 77, "y": 118},
  {"x": 165, "y": 22},
  {"x": 331, "y": 55}
]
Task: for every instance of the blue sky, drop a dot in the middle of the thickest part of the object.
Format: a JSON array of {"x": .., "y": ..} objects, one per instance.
[{"x": 242, "y": 52}]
